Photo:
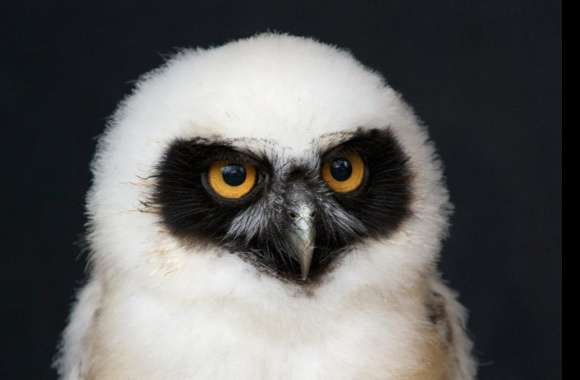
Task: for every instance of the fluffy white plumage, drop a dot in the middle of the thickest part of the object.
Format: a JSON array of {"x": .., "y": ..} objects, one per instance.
[{"x": 156, "y": 309}]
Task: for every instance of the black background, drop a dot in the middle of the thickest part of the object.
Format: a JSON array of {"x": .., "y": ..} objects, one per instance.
[{"x": 484, "y": 75}]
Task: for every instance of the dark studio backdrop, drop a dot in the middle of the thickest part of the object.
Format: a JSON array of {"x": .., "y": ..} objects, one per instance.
[{"x": 484, "y": 75}]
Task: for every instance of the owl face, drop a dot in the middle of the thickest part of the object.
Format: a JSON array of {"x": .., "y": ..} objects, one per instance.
[
  {"x": 273, "y": 157},
  {"x": 291, "y": 217}
]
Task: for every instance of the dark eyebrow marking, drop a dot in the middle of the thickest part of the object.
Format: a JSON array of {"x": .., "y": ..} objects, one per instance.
[
  {"x": 218, "y": 148},
  {"x": 340, "y": 141}
]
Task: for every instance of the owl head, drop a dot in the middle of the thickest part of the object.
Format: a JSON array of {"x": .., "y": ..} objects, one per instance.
[{"x": 266, "y": 164}]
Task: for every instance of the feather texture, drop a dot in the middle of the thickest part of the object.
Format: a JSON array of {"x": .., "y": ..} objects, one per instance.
[{"x": 161, "y": 306}]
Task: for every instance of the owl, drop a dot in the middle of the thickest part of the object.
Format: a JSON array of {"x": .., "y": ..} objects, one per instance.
[{"x": 266, "y": 209}]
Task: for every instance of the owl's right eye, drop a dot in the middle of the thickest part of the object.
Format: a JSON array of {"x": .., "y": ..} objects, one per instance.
[{"x": 231, "y": 180}]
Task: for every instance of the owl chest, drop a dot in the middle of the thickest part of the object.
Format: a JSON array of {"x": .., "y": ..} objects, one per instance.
[{"x": 142, "y": 339}]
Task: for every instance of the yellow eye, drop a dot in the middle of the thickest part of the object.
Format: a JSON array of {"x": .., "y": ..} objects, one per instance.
[
  {"x": 345, "y": 173},
  {"x": 231, "y": 180}
]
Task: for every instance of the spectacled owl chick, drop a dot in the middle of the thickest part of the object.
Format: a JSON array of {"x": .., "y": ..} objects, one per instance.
[{"x": 267, "y": 209}]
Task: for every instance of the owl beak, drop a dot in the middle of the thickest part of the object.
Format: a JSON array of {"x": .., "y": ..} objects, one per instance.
[{"x": 302, "y": 236}]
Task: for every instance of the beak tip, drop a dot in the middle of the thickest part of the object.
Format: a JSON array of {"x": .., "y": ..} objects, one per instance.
[{"x": 305, "y": 267}]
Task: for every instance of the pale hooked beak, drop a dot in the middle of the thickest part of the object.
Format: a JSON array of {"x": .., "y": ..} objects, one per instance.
[{"x": 302, "y": 236}]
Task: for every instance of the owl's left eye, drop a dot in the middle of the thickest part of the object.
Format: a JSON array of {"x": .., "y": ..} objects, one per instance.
[
  {"x": 344, "y": 174},
  {"x": 231, "y": 180}
]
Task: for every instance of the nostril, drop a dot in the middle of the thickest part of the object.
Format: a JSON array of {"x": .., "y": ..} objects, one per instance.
[{"x": 292, "y": 214}]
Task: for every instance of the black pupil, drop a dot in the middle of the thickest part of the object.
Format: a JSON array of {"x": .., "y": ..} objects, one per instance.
[
  {"x": 233, "y": 174},
  {"x": 341, "y": 169}
]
